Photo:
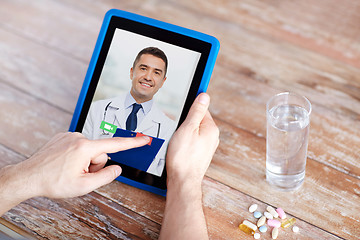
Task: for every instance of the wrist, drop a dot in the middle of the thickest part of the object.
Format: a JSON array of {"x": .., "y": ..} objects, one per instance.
[
  {"x": 188, "y": 188},
  {"x": 12, "y": 189},
  {"x": 16, "y": 182},
  {"x": 183, "y": 217}
]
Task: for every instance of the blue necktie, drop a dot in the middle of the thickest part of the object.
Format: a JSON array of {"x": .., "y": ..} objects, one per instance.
[{"x": 131, "y": 122}]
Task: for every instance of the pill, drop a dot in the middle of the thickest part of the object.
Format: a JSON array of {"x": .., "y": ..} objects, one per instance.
[
  {"x": 288, "y": 223},
  {"x": 273, "y": 223},
  {"x": 253, "y": 208},
  {"x": 272, "y": 211},
  {"x": 257, "y": 235},
  {"x": 246, "y": 229},
  {"x": 263, "y": 229},
  {"x": 268, "y": 215},
  {"x": 261, "y": 221},
  {"x": 275, "y": 233},
  {"x": 257, "y": 214},
  {"x": 281, "y": 213},
  {"x": 250, "y": 225},
  {"x": 295, "y": 229}
]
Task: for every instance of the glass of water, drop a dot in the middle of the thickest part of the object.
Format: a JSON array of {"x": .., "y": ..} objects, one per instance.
[{"x": 288, "y": 121}]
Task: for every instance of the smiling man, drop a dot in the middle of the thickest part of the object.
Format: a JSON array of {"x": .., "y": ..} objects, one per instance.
[
  {"x": 136, "y": 111},
  {"x": 148, "y": 74}
]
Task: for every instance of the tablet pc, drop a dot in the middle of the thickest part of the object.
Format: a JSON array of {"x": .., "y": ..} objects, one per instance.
[{"x": 143, "y": 76}]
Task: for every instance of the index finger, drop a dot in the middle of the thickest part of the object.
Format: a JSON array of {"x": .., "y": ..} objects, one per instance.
[{"x": 116, "y": 144}]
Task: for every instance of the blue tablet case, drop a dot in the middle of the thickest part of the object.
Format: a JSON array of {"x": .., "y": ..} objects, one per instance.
[
  {"x": 215, "y": 45},
  {"x": 139, "y": 158}
]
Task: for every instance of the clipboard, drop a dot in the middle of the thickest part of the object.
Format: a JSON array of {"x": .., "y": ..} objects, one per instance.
[{"x": 139, "y": 158}]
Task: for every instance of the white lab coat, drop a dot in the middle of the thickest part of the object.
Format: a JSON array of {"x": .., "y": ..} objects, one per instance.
[{"x": 155, "y": 120}]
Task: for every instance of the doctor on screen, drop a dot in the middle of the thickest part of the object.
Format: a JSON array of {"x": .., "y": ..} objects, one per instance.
[{"x": 136, "y": 111}]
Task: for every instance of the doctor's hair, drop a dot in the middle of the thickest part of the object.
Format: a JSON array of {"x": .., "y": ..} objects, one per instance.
[{"x": 156, "y": 52}]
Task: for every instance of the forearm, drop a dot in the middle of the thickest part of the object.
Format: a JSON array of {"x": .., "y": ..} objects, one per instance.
[
  {"x": 13, "y": 189},
  {"x": 184, "y": 217}
]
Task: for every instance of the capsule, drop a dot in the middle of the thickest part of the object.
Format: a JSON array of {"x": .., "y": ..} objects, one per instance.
[
  {"x": 272, "y": 211},
  {"x": 248, "y": 227},
  {"x": 275, "y": 233},
  {"x": 281, "y": 213},
  {"x": 273, "y": 223},
  {"x": 288, "y": 223}
]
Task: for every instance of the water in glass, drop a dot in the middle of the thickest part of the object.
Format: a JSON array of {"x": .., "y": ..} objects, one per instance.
[{"x": 287, "y": 140}]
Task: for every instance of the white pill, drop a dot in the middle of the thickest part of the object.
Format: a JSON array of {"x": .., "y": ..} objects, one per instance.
[
  {"x": 253, "y": 208},
  {"x": 250, "y": 225},
  {"x": 272, "y": 211},
  {"x": 268, "y": 215},
  {"x": 275, "y": 233},
  {"x": 257, "y": 235},
  {"x": 295, "y": 229}
]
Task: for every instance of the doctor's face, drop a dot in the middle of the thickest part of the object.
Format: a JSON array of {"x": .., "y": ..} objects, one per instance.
[{"x": 147, "y": 77}]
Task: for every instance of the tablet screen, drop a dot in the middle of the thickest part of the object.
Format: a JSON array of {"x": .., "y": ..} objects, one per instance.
[{"x": 144, "y": 82}]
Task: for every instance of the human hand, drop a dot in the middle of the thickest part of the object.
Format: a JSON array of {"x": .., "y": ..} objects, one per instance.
[
  {"x": 189, "y": 155},
  {"x": 70, "y": 165},
  {"x": 193, "y": 145}
]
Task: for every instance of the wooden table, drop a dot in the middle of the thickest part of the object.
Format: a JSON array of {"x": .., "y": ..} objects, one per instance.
[{"x": 308, "y": 47}]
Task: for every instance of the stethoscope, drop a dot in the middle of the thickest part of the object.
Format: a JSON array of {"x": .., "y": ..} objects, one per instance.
[{"x": 105, "y": 112}]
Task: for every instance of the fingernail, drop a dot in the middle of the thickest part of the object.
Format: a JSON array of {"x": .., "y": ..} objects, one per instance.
[
  {"x": 203, "y": 99},
  {"x": 147, "y": 138},
  {"x": 118, "y": 171}
]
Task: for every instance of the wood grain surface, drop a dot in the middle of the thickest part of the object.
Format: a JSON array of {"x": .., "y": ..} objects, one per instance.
[{"x": 305, "y": 46}]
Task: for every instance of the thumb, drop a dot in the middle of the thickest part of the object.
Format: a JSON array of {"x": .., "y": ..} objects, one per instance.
[
  {"x": 102, "y": 177},
  {"x": 198, "y": 109}
]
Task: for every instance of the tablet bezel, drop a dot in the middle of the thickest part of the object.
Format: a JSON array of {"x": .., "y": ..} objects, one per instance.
[{"x": 114, "y": 19}]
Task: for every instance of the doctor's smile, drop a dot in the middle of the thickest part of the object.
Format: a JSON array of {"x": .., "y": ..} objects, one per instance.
[{"x": 145, "y": 84}]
